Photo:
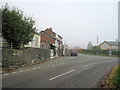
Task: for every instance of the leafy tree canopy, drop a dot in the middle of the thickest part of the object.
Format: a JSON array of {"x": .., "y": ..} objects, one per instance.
[
  {"x": 96, "y": 47},
  {"x": 17, "y": 28}
]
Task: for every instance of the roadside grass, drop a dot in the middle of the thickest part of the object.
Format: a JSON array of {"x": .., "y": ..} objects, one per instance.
[
  {"x": 99, "y": 54},
  {"x": 115, "y": 76}
]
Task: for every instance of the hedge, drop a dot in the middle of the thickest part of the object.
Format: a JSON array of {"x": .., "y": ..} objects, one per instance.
[{"x": 114, "y": 52}]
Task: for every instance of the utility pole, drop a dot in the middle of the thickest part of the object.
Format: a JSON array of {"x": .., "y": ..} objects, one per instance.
[{"x": 97, "y": 44}]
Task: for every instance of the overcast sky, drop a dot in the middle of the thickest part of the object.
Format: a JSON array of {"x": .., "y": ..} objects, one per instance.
[{"x": 78, "y": 21}]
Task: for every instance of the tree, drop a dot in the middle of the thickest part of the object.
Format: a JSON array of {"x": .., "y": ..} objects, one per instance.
[
  {"x": 17, "y": 28},
  {"x": 96, "y": 47},
  {"x": 89, "y": 45}
]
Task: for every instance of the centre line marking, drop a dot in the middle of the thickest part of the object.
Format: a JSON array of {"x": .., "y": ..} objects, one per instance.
[
  {"x": 34, "y": 68},
  {"x": 39, "y": 67},
  {"x": 14, "y": 72},
  {"x": 21, "y": 71},
  {"x": 6, "y": 74},
  {"x": 62, "y": 74},
  {"x": 28, "y": 70},
  {"x": 86, "y": 65}
]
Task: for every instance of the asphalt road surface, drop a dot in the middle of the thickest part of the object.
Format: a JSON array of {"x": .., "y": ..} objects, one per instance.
[{"x": 83, "y": 71}]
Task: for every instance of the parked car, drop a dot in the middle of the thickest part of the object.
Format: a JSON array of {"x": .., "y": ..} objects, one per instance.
[{"x": 73, "y": 52}]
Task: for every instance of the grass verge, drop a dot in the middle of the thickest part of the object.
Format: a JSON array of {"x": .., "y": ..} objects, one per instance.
[
  {"x": 115, "y": 76},
  {"x": 112, "y": 79}
]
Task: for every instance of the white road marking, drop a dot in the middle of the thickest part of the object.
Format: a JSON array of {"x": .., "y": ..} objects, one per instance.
[
  {"x": 5, "y": 74},
  {"x": 86, "y": 65},
  {"x": 14, "y": 72},
  {"x": 62, "y": 74},
  {"x": 39, "y": 67},
  {"x": 21, "y": 71},
  {"x": 28, "y": 70},
  {"x": 34, "y": 68}
]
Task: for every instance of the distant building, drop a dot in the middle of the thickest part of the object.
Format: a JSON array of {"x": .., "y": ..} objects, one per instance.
[
  {"x": 35, "y": 43},
  {"x": 58, "y": 41},
  {"x": 48, "y": 37},
  {"x": 89, "y": 45},
  {"x": 111, "y": 45}
]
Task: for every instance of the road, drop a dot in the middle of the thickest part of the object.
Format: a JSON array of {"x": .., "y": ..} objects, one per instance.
[{"x": 83, "y": 71}]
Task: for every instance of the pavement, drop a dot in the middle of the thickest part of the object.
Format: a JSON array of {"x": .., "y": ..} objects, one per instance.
[{"x": 82, "y": 71}]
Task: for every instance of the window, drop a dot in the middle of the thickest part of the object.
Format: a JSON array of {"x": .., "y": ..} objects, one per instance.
[
  {"x": 36, "y": 41},
  {"x": 32, "y": 42},
  {"x": 105, "y": 46},
  {"x": 113, "y": 47}
]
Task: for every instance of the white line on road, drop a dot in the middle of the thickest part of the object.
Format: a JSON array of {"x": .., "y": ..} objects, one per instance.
[
  {"x": 14, "y": 72},
  {"x": 62, "y": 74},
  {"x": 28, "y": 70},
  {"x": 5, "y": 74},
  {"x": 21, "y": 71},
  {"x": 39, "y": 67},
  {"x": 34, "y": 68},
  {"x": 86, "y": 65}
]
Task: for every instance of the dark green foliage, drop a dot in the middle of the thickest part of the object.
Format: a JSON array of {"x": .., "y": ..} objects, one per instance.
[
  {"x": 116, "y": 78},
  {"x": 96, "y": 47},
  {"x": 105, "y": 52},
  {"x": 16, "y": 28}
]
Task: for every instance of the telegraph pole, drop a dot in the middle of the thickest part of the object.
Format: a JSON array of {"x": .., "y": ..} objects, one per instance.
[{"x": 97, "y": 44}]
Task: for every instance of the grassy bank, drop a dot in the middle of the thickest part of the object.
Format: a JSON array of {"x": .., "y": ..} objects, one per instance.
[{"x": 115, "y": 76}]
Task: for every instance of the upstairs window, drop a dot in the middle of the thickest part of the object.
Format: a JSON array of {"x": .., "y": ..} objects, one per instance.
[
  {"x": 113, "y": 47},
  {"x": 105, "y": 46}
]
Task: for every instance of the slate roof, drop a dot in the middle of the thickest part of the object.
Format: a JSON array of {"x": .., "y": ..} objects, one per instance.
[
  {"x": 49, "y": 35},
  {"x": 113, "y": 43}
]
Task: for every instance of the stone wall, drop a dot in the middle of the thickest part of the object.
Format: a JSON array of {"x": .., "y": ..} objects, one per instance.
[{"x": 16, "y": 58}]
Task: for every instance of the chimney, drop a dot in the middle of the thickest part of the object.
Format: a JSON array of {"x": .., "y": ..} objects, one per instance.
[{"x": 50, "y": 29}]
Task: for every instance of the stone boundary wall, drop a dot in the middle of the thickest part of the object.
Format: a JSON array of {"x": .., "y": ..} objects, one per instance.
[{"x": 15, "y": 58}]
